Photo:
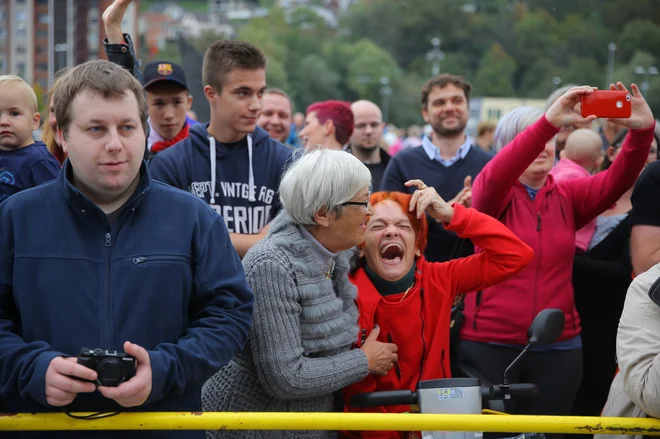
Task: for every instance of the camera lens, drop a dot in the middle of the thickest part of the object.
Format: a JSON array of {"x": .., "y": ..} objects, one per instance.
[{"x": 110, "y": 372}]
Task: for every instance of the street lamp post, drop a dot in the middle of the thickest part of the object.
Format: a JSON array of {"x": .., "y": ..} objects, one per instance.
[
  {"x": 646, "y": 72},
  {"x": 385, "y": 93},
  {"x": 610, "y": 65},
  {"x": 435, "y": 55}
]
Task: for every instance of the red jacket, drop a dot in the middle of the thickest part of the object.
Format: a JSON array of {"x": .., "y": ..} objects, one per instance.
[
  {"x": 548, "y": 224},
  {"x": 419, "y": 324}
]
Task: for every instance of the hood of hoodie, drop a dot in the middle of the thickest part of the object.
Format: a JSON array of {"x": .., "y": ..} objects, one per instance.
[
  {"x": 240, "y": 182},
  {"x": 219, "y": 150}
]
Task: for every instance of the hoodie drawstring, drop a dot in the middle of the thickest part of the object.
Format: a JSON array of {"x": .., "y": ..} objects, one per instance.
[
  {"x": 251, "y": 188},
  {"x": 212, "y": 147}
]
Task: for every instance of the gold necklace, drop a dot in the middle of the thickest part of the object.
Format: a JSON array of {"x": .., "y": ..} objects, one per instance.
[{"x": 406, "y": 293}]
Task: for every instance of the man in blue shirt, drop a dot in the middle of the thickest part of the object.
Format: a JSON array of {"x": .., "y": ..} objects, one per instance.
[{"x": 448, "y": 159}]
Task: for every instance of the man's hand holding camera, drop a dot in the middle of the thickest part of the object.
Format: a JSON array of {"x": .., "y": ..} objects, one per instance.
[
  {"x": 65, "y": 378},
  {"x": 62, "y": 387},
  {"x": 136, "y": 390}
]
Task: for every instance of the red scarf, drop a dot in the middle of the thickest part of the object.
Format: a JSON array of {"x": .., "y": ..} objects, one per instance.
[{"x": 159, "y": 146}]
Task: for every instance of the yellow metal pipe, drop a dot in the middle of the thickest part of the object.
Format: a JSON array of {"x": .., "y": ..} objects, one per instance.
[{"x": 332, "y": 421}]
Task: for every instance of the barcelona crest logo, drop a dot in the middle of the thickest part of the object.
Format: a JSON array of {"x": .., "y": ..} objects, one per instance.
[{"x": 164, "y": 69}]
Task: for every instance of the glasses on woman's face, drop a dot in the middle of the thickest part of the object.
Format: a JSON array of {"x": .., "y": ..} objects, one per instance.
[{"x": 364, "y": 204}]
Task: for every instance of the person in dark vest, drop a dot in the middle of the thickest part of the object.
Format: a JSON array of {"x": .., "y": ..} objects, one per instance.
[{"x": 447, "y": 161}]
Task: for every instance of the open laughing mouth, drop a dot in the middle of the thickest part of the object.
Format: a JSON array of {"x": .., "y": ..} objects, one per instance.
[{"x": 391, "y": 253}]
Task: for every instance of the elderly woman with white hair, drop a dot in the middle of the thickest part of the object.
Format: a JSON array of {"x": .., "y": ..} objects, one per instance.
[
  {"x": 516, "y": 187},
  {"x": 305, "y": 321}
]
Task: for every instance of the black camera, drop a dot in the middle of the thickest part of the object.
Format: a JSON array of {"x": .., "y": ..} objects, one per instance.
[{"x": 112, "y": 367}]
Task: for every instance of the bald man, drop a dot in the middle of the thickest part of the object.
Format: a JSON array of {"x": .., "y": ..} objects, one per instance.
[
  {"x": 367, "y": 138},
  {"x": 581, "y": 157}
]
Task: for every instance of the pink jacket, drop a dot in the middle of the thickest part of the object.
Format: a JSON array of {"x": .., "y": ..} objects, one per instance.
[
  {"x": 547, "y": 224},
  {"x": 567, "y": 169}
]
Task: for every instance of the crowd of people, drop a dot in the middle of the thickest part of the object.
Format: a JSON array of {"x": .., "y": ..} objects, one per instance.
[{"x": 242, "y": 271}]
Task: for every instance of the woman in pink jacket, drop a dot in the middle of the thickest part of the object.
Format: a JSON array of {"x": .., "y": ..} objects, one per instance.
[{"x": 516, "y": 187}]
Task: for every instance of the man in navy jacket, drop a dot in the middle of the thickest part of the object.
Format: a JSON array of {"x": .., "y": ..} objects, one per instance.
[{"x": 105, "y": 257}]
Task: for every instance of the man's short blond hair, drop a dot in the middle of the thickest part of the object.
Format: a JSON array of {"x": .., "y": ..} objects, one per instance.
[
  {"x": 100, "y": 77},
  {"x": 20, "y": 82}
]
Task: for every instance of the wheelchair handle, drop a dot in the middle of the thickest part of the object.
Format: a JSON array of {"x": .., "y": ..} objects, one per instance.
[{"x": 388, "y": 397}]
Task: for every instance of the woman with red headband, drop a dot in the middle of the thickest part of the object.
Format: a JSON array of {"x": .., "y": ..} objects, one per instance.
[{"x": 409, "y": 298}]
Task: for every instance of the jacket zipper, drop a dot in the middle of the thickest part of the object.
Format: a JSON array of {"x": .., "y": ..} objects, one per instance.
[
  {"x": 421, "y": 314},
  {"x": 143, "y": 259},
  {"x": 538, "y": 262},
  {"x": 108, "y": 316},
  {"x": 442, "y": 364},
  {"x": 397, "y": 368}
]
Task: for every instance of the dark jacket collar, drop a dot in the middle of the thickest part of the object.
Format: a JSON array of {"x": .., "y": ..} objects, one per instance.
[{"x": 83, "y": 204}]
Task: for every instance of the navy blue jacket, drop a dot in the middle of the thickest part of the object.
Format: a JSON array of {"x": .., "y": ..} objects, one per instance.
[
  {"x": 26, "y": 167},
  {"x": 165, "y": 276},
  {"x": 187, "y": 165}
]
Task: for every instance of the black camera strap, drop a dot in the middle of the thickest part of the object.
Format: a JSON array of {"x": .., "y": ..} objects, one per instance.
[{"x": 92, "y": 416}]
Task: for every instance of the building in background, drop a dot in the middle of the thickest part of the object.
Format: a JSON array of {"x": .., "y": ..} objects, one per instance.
[
  {"x": 338, "y": 6},
  {"x": 492, "y": 108},
  {"x": 39, "y": 38}
]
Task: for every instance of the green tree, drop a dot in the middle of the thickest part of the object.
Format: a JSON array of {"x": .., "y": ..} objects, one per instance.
[
  {"x": 276, "y": 75},
  {"x": 205, "y": 40},
  {"x": 405, "y": 28},
  {"x": 366, "y": 64},
  {"x": 639, "y": 35},
  {"x": 536, "y": 36},
  {"x": 405, "y": 104},
  {"x": 495, "y": 74},
  {"x": 267, "y": 33},
  {"x": 582, "y": 37},
  {"x": 455, "y": 62},
  {"x": 583, "y": 71},
  {"x": 537, "y": 82},
  {"x": 617, "y": 14},
  {"x": 314, "y": 80},
  {"x": 169, "y": 52}
]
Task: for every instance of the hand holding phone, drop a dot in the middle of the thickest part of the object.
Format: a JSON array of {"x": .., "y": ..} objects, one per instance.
[
  {"x": 607, "y": 104},
  {"x": 641, "y": 116}
]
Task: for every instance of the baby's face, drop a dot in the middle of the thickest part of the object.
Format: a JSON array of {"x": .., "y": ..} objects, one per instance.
[{"x": 17, "y": 118}]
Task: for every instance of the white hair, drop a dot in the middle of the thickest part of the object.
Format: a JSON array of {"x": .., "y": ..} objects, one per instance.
[
  {"x": 557, "y": 94},
  {"x": 513, "y": 123},
  {"x": 321, "y": 179}
]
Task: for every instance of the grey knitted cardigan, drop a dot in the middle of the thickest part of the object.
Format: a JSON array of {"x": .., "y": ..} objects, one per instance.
[{"x": 304, "y": 324}]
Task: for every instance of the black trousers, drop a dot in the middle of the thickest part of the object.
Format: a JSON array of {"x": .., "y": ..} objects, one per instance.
[{"x": 557, "y": 374}]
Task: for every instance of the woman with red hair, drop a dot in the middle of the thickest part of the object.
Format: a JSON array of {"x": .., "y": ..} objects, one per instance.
[{"x": 410, "y": 299}]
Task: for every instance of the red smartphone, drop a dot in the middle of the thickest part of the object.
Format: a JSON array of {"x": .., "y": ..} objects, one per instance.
[{"x": 605, "y": 104}]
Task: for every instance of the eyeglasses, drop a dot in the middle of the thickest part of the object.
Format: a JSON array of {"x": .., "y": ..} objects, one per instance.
[
  {"x": 364, "y": 204},
  {"x": 356, "y": 203}
]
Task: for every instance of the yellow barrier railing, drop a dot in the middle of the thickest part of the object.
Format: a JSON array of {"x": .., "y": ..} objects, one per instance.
[{"x": 333, "y": 421}]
